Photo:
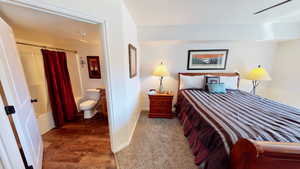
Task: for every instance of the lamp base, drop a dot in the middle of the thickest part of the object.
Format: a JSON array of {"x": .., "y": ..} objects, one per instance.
[
  {"x": 161, "y": 85},
  {"x": 255, "y": 84}
]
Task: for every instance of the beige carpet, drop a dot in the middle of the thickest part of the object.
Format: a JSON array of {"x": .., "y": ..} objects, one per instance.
[{"x": 157, "y": 144}]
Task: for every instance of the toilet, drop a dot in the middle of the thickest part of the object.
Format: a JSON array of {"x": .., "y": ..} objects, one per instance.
[{"x": 89, "y": 102}]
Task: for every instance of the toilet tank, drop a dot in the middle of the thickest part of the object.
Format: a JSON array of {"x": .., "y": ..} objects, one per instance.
[{"x": 93, "y": 94}]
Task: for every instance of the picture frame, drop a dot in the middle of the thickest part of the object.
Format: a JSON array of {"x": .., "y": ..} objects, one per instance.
[
  {"x": 94, "y": 67},
  {"x": 132, "y": 52},
  {"x": 212, "y": 79},
  {"x": 211, "y": 59}
]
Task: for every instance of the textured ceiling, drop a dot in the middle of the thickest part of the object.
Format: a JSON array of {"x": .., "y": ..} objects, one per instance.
[{"x": 176, "y": 12}]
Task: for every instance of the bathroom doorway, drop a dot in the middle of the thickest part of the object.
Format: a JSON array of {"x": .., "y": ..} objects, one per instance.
[{"x": 35, "y": 30}]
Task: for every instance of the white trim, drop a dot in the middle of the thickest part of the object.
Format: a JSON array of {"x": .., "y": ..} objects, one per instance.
[
  {"x": 117, "y": 161},
  {"x": 131, "y": 134},
  {"x": 108, "y": 83},
  {"x": 120, "y": 147},
  {"x": 134, "y": 126},
  {"x": 78, "y": 15},
  {"x": 56, "y": 10},
  {"x": 45, "y": 122}
]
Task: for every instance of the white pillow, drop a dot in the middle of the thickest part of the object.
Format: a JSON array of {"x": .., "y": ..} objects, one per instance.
[
  {"x": 231, "y": 82},
  {"x": 191, "y": 82}
]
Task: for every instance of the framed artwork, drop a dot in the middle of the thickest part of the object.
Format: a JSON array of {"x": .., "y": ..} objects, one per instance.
[
  {"x": 94, "y": 67},
  {"x": 132, "y": 61},
  {"x": 212, "y": 59},
  {"x": 212, "y": 79}
]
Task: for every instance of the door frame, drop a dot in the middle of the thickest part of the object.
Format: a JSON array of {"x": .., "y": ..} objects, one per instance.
[{"x": 80, "y": 16}]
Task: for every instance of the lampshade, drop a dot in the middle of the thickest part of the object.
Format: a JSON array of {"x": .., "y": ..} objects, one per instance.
[
  {"x": 161, "y": 70},
  {"x": 258, "y": 73}
]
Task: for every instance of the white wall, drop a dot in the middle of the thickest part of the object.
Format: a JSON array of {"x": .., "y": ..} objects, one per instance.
[
  {"x": 242, "y": 57},
  {"x": 116, "y": 70},
  {"x": 84, "y": 50},
  {"x": 91, "y": 50},
  {"x": 265, "y": 31},
  {"x": 132, "y": 99},
  {"x": 285, "y": 76}
]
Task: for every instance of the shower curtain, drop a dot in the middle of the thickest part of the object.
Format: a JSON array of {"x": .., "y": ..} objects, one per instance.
[{"x": 59, "y": 87}]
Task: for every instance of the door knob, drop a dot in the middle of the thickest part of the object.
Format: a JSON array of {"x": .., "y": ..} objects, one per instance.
[{"x": 34, "y": 100}]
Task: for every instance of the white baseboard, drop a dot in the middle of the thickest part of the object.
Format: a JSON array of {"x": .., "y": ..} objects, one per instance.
[
  {"x": 122, "y": 146},
  {"x": 45, "y": 122},
  {"x": 134, "y": 126},
  {"x": 146, "y": 109}
]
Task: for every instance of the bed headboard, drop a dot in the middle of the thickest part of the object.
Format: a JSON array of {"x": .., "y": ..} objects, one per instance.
[{"x": 213, "y": 74}]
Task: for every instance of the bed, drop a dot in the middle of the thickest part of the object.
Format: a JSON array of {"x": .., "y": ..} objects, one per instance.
[{"x": 239, "y": 130}]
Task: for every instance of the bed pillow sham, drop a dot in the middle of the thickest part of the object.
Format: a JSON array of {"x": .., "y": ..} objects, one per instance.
[
  {"x": 230, "y": 82},
  {"x": 191, "y": 82},
  {"x": 216, "y": 88}
]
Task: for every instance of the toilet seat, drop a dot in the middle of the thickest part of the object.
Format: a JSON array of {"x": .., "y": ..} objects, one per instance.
[{"x": 88, "y": 104}]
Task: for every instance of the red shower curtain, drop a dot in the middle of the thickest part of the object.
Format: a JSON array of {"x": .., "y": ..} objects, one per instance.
[{"x": 59, "y": 87}]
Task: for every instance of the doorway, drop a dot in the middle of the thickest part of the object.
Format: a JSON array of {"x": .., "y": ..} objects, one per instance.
[{"x": 78, "y": 40}]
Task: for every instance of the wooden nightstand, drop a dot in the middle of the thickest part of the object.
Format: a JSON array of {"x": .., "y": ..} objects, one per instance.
[{"x": 161, "y": 105}]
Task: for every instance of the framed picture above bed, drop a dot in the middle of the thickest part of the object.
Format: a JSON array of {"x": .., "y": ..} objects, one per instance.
[
  {"x": 94, "y": 67},
  {"x": 132, "y": 61},
  {"x": 212, "y": 59}
]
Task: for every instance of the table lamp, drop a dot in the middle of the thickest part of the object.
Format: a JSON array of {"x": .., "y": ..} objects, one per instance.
[
  {"x": 257, "y": 75},
  {"x": 161, "y": 71}
]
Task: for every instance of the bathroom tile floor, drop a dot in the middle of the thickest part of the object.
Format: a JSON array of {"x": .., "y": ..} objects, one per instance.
[{"x": 82, "y": 144}]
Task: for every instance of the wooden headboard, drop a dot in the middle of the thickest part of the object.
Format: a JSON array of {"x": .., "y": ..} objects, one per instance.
[{"x": 213, "y": 74}]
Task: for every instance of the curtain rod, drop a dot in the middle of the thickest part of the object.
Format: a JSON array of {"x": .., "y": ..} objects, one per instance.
[{"x": 46, "y": 47}]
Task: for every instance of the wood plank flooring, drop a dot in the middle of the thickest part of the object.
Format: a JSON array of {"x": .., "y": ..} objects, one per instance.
[{"x": 83, "y": 144}]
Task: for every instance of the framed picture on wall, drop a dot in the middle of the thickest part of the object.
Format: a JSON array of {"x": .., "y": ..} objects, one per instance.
[
  {"x": 212, "y": 59},
  {"x": 94, "y": 67},
  {"x": 132, "y": 61}
]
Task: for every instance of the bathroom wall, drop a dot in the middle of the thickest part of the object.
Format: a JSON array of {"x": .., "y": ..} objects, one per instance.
[
  {"x": 78, "y": 74},
  {"x": 32, "y": 62},
  {"x": 84, "y": 50}
]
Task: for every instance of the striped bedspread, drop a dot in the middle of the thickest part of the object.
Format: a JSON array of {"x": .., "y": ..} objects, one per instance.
[{"x": 214, "y": 122}]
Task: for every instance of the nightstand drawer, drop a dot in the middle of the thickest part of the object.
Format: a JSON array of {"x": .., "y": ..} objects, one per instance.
[
  {"x": 161, "y": 115},
  {"x": 161, "y": 109},
  {"x": 160, "y": 99},
  {"x": 161, "y": 106},
  {"x": 161, "y": 103}
]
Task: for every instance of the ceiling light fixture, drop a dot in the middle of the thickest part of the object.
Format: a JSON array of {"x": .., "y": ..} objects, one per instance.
[{"x": 273, "y": 6}]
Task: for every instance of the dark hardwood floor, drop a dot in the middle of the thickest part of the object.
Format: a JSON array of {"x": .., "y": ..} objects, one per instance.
[{"x": 83, "y": 144}]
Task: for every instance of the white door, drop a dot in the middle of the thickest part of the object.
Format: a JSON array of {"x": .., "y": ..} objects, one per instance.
[
  {"x": 14, "y": 84},
  {"x": 10, "y": 157}
]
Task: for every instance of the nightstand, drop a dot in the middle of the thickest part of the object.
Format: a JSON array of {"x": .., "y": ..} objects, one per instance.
[{"x": 161, "y": 105}]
